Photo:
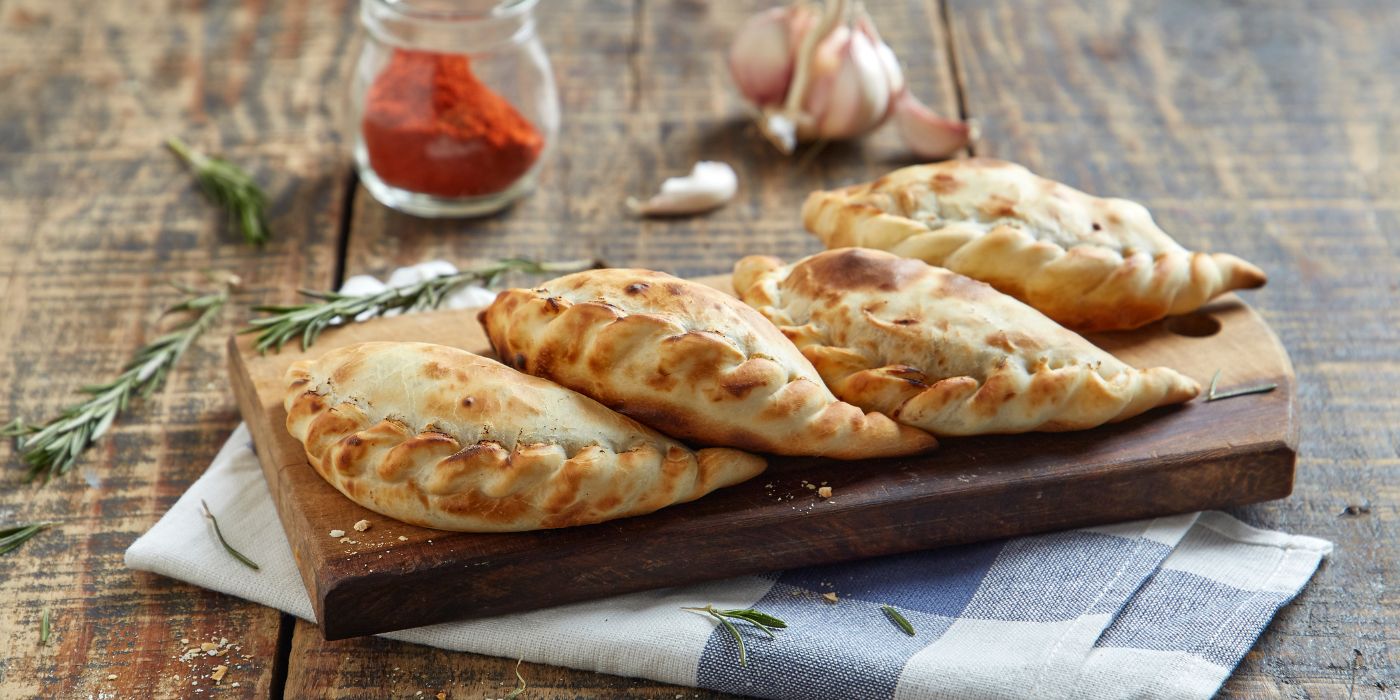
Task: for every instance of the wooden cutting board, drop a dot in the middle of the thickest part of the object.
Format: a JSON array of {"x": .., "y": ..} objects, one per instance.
[{"x": 395, "y": 576}]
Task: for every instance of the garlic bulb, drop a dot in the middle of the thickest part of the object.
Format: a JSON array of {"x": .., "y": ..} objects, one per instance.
[{"x": 823, "y": 72}]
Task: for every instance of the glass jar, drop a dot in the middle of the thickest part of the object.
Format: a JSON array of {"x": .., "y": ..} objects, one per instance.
[{"x": 453, "y": 104}]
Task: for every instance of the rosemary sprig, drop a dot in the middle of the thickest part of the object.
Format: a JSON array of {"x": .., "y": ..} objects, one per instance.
[
  {"x": 898, "y": 619},
  {"x": 228, "y": 547},
  {"x": 763, "y": 621},
  {"x": 45, "y": 628},
  {"x": 229, "y": 187},
  {"x": 15, "y": 535},
  {"x": 306, "y": 321},
  {"x": 520, "y": 683},
  {"x": 1213, "y": 395},
  {"x": 53, "y": 448}
]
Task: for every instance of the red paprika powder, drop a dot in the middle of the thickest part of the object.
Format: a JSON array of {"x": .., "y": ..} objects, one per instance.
[{"x": 431, "y": 126}]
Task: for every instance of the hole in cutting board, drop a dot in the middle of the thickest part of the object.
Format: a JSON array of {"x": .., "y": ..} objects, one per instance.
[{"x": 1197, "y": 325}]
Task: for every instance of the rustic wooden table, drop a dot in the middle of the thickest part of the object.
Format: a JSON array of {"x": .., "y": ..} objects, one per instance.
[{"x": 1265, "y": 128}]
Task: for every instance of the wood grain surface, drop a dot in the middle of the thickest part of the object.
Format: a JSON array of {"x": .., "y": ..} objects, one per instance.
[
  {"x": 1265, "y": 128},
  {"x": 1200, "y": 456},
  {"x": 95, "y": 218}
]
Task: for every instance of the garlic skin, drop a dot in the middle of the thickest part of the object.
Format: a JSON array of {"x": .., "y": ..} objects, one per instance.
[
  {"x": 822, "y": 71},
  {"x": 710, "y": 184}
]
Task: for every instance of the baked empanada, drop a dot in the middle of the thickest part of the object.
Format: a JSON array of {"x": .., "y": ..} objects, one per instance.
[
  {"x": 1090, "y": 263},
  {"x": 943, "y": 352},
  {"x": 439, "y": 437},
  {"x": 688, "y": 360}
]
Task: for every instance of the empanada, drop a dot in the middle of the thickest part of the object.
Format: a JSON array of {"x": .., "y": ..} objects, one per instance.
[
  {"x": 943, "y": 352},
  {"x": 686, "y": 359},
  {"x": 1089, "y": 263},
  {"x": 443, "y": 438}
]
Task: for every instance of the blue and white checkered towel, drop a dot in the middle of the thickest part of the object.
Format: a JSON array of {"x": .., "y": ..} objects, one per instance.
[{"x": 1156, "y": 609}]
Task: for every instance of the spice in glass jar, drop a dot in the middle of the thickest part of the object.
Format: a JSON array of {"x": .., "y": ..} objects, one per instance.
[{"x": 431, "y": 126}]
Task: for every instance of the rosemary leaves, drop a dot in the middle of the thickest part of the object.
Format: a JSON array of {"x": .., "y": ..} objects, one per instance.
[
  {"x": 11, "y": 537},
  {"x": 898, "y": 619},
  {"x": 763, "y": 621},
  {"x": 229, "y": 187},
  {"x": 45, "y": 628},
  {"x": 227, "y": 547},
  {"x": 306, "y": 321},
  {"x": 1213, "y": 395},
  {"x": 53, "y": 448}
]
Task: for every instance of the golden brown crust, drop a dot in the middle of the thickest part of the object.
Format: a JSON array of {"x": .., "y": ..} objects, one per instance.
[
  {"x": 1090, "y": 263},
  {"x": 439, "y": 437},
  {"x": 685, "y": 359},
  {"x": 943, "y": 352}
]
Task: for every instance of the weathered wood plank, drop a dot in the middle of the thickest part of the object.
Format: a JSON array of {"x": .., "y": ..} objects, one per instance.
[
  {"x": 1263, "y": 129},
  {"x": 94, "y": 218}
]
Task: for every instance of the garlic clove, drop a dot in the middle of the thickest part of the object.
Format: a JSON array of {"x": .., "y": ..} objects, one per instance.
[
  {"x": 828, "y": 59},
  {"x": 709, "y": 185},
  {"x": 855, "y": 98},
  {"x": 801, "y": 19},
  {"x": 831, "y": 52},
  {"x": 926, "y": 133},
  {"x": 761, "y": 58},
  {"x": 894, "y": 74}
]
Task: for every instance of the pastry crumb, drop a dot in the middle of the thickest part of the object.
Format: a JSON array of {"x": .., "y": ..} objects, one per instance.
[
  {"x": 361, "y": 526},
  {"x": 218, "y": 674},
  {"x": 208, "y": 646},
  {"x": 402, "y": 538},
  {"x": 824, "y": 492},
  {"x": 336, "y": 533},
  {"x": 829, "y": 596},
  {"x": 111, "y": 676}
]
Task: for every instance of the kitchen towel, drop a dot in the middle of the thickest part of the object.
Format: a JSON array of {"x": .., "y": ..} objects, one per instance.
[{"x": 1162, "y": 608}]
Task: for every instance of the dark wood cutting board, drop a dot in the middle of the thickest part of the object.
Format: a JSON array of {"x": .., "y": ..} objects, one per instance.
[{"x": 395, "y": 576}]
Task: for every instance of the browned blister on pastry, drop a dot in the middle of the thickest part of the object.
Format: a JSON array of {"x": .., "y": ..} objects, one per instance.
[
  {"x": 688, "y": 360},
  {"x": 1090, "y": 263},
  {"x": 944, "y": 352},
  {"x": 443, "y": 438}
]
